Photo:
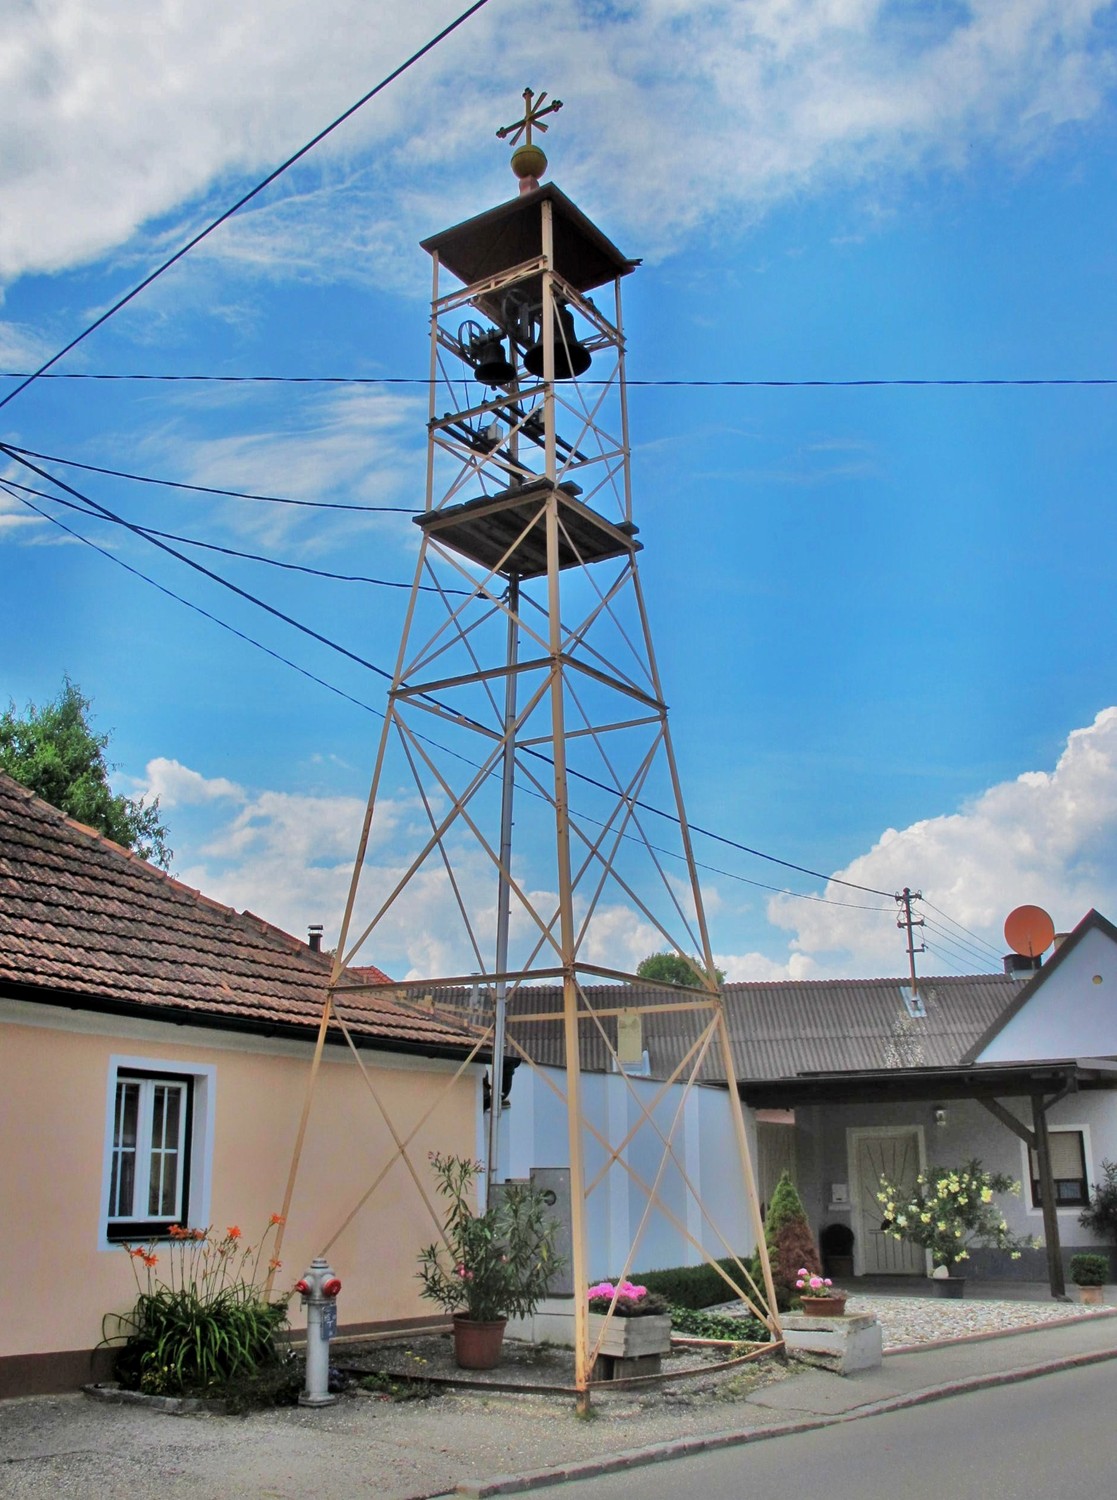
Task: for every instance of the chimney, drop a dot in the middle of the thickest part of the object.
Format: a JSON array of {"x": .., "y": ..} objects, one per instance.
[
  {"x": 314, "y": 937},
  {"x": 1020, "y": 965}
]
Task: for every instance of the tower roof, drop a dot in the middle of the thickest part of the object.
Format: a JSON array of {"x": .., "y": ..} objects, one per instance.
[{"x": 511, "y": 233}]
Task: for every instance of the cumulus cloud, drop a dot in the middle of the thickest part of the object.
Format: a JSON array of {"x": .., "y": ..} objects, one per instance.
[
  {"x": 126, "y": 111},
  {"x": 177, "y": 785},
  {"x": 1047, "y": 838}
]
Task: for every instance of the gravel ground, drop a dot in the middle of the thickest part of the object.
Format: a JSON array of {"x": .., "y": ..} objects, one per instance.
[
  {"x": 56, "y": 1447},
  {"x": 906, "y": 1322}
]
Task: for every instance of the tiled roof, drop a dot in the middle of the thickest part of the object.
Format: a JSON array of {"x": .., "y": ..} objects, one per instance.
[
  {"x": 780, "y": 1028},
  {"x": 82, "y": 917}
]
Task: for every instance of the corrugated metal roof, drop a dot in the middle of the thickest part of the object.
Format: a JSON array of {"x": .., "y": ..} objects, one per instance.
[
  {"x": 777, "y": 1028},
  {"x": 82, "y": 917}
]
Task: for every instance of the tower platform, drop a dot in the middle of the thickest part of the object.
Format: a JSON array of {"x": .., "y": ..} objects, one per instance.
[{"x": 486, "y": 528}]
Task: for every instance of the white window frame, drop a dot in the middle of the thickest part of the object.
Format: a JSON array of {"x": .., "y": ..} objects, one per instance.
[
  {"x": 1069, "y": 1128},
  {"x": 197, "y": 1149}
]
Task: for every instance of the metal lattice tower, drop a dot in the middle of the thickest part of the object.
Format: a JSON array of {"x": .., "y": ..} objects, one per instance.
[{"x": 525, "y": 757}]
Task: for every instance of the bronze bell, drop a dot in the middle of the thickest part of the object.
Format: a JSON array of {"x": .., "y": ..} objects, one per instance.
[
  {"x": 489, "y": 363},
  {"x": 571, "y": 357}
]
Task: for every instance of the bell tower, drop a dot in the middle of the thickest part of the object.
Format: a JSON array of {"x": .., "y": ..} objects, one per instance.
[{"x": 525, "y": 762}]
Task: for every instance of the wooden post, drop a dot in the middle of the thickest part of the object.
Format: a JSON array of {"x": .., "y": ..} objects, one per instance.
[{"x": 1047, "y": 1192}]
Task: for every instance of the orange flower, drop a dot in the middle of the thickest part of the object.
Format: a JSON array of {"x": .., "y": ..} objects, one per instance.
[
  {"x": 149, "y": 1260},
  {"x": 277, "y": 1219},
  {"x": 233, "y": 1232},
  {"x": 273, "y": 1264}
]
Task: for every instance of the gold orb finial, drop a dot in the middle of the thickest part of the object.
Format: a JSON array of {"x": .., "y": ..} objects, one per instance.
[{"x": 528, "y": 160}]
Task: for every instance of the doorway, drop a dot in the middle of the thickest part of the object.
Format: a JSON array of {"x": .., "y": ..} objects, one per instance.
[{"x": 895, "y": 1152}]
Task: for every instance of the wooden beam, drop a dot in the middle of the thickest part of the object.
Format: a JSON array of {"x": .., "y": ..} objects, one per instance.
[
  {"x": 1006, "y": 1117},
  {"x": 1047, "y": 1192}
]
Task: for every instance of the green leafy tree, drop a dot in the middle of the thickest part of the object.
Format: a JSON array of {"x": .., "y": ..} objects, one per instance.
[
  {"x": 54, "y": 752},
  {"x": 1101, "y": 1216},
  {"x": 673, "y": 968}
]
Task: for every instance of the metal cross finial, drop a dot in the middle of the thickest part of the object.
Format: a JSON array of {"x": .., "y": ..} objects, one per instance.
[{"x": 533, "y": 114}]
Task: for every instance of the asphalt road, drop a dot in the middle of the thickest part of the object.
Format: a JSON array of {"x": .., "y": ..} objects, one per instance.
[{"x": 1049, "y": 1439}]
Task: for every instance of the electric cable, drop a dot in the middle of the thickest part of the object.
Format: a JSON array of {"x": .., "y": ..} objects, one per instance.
[
  {"x": 942, "y": 957},
  {"x": 197, "y": 608},
  {"x": 996, "y": 952},
  {"x": 208, "y": 489},
  {"x": 581, "y": 776},
  {"x": 191, "y": 562},
  {"x": 960, "y": 944},
  {"x": 272, "y": 562},
  {"x": 852, "y": 383},
  {"x": 10, "y": 487},
  {"x": 246, "y": 198}
]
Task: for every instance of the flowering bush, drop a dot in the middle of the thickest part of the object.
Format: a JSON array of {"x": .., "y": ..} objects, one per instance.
[
  {"x": 202, "y": 1320},
  {"x": 951, "y": 1209},
  {"x": 492, "y": 1265},
  {"x": 811, "y": 1285},
  {"x": 632, "y": 1301}
]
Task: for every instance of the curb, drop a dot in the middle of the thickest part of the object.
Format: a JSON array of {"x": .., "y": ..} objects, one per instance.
[{"x": 508, "y": 1484}]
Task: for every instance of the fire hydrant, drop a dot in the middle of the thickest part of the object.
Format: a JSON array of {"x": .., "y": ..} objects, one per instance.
[{"x": 319, "y": 1288}]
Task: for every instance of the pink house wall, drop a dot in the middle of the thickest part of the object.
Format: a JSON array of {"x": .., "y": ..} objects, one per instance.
[{"x": 54, "y": 1071}]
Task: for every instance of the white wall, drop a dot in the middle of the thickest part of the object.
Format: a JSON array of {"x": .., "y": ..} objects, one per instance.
[
  {"x": 534, "y": 1134},
  {"x": 1073, "y": 1013}
]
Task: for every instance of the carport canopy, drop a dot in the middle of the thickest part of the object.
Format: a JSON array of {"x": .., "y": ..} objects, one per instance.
[{"x": 990, "y": 1084}]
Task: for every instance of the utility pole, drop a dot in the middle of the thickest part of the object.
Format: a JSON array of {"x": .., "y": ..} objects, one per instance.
[{"x": 909, "y": 922}]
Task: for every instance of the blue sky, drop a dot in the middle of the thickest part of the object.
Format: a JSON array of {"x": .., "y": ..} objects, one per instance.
[{"x": 884, "y": 616}]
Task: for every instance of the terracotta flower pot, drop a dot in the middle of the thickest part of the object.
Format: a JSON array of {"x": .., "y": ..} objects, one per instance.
[
  {"x": 1090, "y": 1296},
  {"x": 477, "y": 1346},
  {"x": 824, "y": 1307}
]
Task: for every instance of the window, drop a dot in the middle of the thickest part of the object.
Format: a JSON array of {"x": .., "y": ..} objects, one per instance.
[
  {"x": 1068, "y": 1170},
  {"x": 159, "y": 1130}
]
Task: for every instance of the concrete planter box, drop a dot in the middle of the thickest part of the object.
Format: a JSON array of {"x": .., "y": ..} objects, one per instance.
[{"x": 844, "y": 1345}]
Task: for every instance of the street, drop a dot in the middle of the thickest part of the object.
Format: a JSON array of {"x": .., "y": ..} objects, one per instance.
[{"x": 1048, "y": 1439}]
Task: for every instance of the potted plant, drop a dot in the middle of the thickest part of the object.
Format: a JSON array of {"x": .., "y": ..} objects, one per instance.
[
  {"x": 1089, "y": 1272},
  {"x": 949, "y": 1211},
  {"x": 491, "y": 1265},
  {"x": 628, "y": 1322},
  {"x": 818, "y": 1296}
]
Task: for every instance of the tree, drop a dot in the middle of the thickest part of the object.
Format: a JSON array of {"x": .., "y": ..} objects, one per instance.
[
  {"x": 1101, "y": 1216},
  {"x": 673, "y": 968},
  {"x": 55, "y": 753},
  {"x": 790, "y": 1242}
]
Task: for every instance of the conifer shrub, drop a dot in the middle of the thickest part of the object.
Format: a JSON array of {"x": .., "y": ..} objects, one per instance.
[{"x": 790, "y": 1242}]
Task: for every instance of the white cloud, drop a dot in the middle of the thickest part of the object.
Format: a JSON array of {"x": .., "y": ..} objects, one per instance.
[
  {"x": 676, "y": 114},
  {"x": 177, "y": 785},
  {"x": 361, "y": 445},
  {"x": 1048, "y": 839}
]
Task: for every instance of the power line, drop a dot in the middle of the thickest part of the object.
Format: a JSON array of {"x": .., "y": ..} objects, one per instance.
[
  {"x": 853, "y": 383},
  {"x": 191, "y": 562},
  {"x": 104, "y": 511},
  {"x": 958, "y": 946},
  {"x": 207, "y": 489},
  {"x": 246, "y": 198},
  {"x": 272, "y": 562},
  {"x": 954, "y": 923},
  {"x": 943, "y": 958},
  {"x": 197, "y": 608}
]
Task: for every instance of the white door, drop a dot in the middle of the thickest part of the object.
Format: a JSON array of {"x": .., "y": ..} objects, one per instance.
[{"x": 893, "y": 1154}]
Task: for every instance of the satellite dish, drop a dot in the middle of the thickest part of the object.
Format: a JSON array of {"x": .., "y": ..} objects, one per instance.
[{"x": 1029, "y": 931}]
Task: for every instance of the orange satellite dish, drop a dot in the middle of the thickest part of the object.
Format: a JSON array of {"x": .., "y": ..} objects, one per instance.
[{"x": 1029, "y": 931}]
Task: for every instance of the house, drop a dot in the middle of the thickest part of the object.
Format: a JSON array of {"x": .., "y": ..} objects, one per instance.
[
  {"x": 848, "y": 1079},
  {"x": 154, "y": 1058}
]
